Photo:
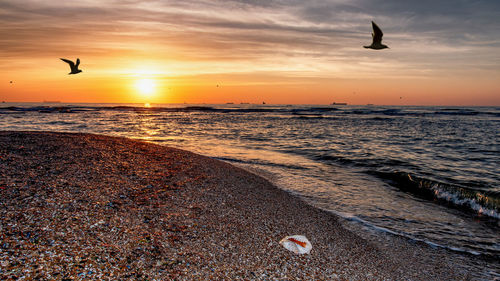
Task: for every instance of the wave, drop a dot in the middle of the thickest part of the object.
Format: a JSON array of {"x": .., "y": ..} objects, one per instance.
[
  {"x": 353, "y": 218},
  {"x": 481, "y": 203},
  {"x": 62, "y": 123},
  {"x": 261, "y": 162},
  {"x": 47, "y": 109},
  {"x": 368, "y": 160},
  {"x": 337, "y": 159},
  {"x": 307, "y": 111},
  {"x": 456, "y": 111}
]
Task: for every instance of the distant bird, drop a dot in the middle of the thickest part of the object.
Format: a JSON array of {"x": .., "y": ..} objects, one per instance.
[
  {"x": 74, "y": 67},
  {"x": 377, "y": 38},
  {"x": 10, "y": 82}
]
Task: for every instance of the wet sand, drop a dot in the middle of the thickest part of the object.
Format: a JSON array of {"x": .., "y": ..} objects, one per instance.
[{"x": 77, "y": 206}]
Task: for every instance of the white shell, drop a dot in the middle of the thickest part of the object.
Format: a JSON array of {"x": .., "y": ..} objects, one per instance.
[{"x": 289, "y": 244}]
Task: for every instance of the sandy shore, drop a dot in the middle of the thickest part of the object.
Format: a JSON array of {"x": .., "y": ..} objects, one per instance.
[{"x": 77, "y": 206}]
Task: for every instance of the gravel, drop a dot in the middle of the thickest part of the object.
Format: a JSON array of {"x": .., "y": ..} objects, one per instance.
[{"x": 82, "y": 206}]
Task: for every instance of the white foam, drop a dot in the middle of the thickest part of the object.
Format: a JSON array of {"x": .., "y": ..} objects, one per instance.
[{"x": 471, "y": 203}]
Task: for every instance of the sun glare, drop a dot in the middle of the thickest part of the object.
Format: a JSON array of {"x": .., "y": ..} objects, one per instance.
[{"x": 146, "y": 87}]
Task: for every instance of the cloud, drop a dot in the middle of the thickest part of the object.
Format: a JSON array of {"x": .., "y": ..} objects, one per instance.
[{"x": 321, "y": 36}]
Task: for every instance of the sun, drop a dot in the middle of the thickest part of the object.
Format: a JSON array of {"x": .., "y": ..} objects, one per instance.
[{"x": 146, "y": 87}]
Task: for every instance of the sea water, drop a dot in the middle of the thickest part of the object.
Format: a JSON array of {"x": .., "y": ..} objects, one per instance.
[{"x": 430, "y": 174}]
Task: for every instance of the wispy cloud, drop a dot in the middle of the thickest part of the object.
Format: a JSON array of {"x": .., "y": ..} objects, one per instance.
[{"x": 320, "y": 37}]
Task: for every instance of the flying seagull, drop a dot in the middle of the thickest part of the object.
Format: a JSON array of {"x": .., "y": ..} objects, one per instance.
[
  {"x": 377, "y": 38},
  {"x": 74, "y": 67}
]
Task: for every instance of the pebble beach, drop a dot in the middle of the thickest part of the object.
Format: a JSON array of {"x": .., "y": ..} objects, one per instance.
[{"x": 80, "y": 206}]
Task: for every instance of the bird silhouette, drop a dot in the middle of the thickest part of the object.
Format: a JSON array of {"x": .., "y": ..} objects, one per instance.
[
  {"x": 73, "y": 66},
  {"x": 377, "y": 38}
]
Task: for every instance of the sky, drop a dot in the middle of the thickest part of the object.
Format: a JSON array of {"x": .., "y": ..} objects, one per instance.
[{"x": 278, "y": 52}]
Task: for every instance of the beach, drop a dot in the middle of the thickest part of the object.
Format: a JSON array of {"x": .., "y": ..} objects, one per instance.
[{"x": 83, "y": 206}]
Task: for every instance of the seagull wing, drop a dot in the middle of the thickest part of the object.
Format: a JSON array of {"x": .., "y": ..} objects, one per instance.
[
  {"x": 77, "y": 63},
  {"x": 71, "y": 64},
  {"x": 377, "y": 33}
]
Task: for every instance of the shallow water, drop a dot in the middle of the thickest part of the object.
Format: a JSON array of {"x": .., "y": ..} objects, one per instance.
[{"x": 428, "y": 173}]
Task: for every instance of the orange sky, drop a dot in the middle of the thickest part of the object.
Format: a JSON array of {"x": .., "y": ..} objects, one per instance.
[{"x": 229, "y": 51}]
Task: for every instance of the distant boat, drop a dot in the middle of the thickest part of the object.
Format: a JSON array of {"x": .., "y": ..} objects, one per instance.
[
  {"x": 263, "y": 102},
  {"x": 339, "y": 103}
]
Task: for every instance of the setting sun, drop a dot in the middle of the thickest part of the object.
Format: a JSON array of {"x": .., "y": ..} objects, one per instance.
[{"x": 146, "y": 87}]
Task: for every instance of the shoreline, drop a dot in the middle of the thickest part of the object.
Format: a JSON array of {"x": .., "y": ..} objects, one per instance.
[{"x": 79, "y": 205}]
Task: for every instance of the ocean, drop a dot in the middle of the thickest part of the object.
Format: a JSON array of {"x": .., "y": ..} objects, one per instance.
[{"x": 430, "y": 174}]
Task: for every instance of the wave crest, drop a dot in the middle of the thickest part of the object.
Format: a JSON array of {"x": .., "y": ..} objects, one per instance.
[{"x": 481, "y": 203}]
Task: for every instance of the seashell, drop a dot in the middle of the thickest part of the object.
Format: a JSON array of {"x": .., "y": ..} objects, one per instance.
[{"x": 297, "y": 244}]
